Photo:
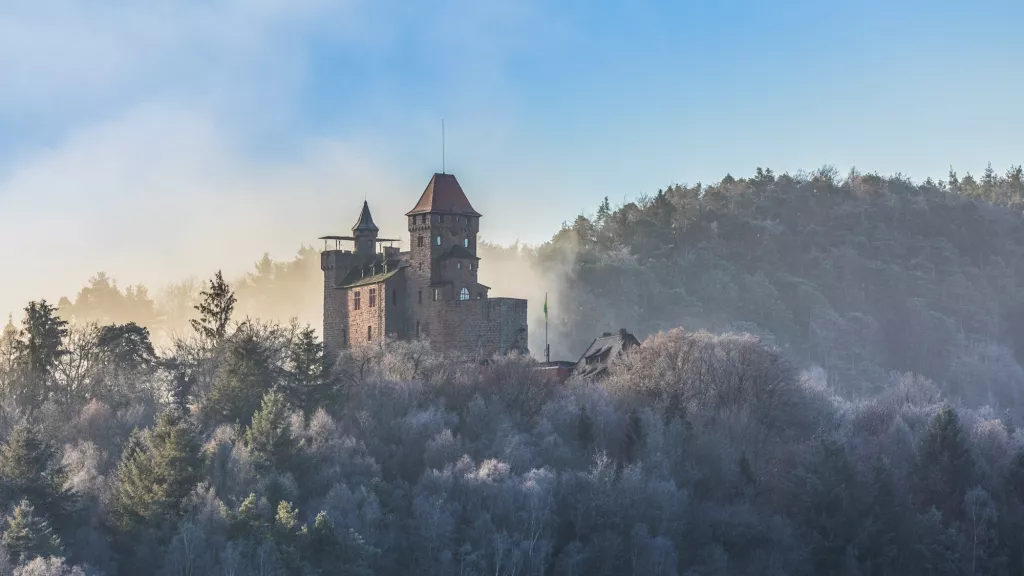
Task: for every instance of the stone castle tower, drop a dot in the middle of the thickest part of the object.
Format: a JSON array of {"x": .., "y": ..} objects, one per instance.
[{"x": 430, "y": 291}]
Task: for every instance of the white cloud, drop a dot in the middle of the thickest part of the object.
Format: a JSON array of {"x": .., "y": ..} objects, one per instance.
[{"x": 160, "y": 194}]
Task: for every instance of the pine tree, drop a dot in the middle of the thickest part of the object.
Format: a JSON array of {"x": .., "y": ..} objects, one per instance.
[
  {"x": 310, "y": 384},
  {"x": 30, "y": 469},
  {"x": 8, "y": 356},
  {"x": 269, "y": 438},
  {"x": 343, "y": 554},
  {"x": 831, "y": 512},
  {"x": 39, "y": 348},
  {"x": 215, "y": 310},
  {"x": 943, "y": 471},
  {"x": 954, "y": 182},
  {"x": 29, "y": 536},
  {"x": 248, "y": 374},
  {"x": 159, "y": 468},
  {"x": 603, "y": 211},
  {"x": 127, "y": 346},
  {"x": 291, "y": 538}
]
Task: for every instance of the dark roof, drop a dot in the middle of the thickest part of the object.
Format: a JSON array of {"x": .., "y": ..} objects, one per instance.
[
  {"x": 458, "y": 252},
  {"x": 372, "y": 272},
  {"x": 443, "y": 194},
  {"x": 365, "y": 222},
  {"x": 595, "y": 360}
]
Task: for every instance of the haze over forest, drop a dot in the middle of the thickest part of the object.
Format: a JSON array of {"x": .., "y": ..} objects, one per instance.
[
  {"x": 831, "y": 375},
  {"x": 830, "y": 382}
]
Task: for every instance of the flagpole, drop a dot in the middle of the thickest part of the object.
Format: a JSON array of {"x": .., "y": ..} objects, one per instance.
[{"x": 547, "y": 347}]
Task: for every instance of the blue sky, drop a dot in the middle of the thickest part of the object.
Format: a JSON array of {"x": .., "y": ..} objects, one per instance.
[{"x": 166, "y": 138}]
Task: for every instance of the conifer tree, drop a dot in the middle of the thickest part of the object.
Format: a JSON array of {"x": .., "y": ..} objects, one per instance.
[
  {"x": 944, "y": 470},
  {"x": 249, "y": 372},
  {"x": 30, "y": 469},
  {"x": 128, "y": 347},
  {"x": 159, "y": 468},
  {"x": 334, "y": 553},
  {"x": 29, "y": 536},
  {"x": 39, "y": 348},
  {"x": 215, "y": 310},
  {"x": 291, "y": 538},
  {"x": 269, "y": 438},
  {"x": 309, "y": 381}
]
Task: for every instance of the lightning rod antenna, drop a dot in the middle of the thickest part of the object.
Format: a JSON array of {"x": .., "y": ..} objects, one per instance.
[{"x": 442, "y": 145}]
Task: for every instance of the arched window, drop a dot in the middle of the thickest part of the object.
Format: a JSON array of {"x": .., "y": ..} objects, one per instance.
[{"x": 464, "y": 295}]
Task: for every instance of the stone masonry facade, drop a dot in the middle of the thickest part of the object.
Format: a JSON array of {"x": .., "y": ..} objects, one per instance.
[{"x": 429, "y": 291}]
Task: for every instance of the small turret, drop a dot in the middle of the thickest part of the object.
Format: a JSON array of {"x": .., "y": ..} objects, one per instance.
[{"x": 365, "y": 233}]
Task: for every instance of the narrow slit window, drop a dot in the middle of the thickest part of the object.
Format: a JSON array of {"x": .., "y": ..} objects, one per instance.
[{"x": 369, "y": 333}]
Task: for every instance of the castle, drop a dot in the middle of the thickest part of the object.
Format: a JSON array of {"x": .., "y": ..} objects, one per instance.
[{"x": 430, "y": 291}]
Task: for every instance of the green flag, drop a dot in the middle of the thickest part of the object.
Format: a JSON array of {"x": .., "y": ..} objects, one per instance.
[{"x": 545, "y": 306}]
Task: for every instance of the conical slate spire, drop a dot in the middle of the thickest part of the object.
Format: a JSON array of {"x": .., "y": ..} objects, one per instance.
[{"x": 365, "y": 222}]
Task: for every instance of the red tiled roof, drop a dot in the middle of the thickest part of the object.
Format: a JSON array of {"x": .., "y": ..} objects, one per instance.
[{"x": 444, "y": 195}]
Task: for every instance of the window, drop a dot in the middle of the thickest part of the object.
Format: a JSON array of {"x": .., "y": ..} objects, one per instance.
[
  {"x": 417, "y": 328},
  {"x": 394, "y": 296},
  {"x": 419, "y": 241},
  {"x": 369, "y": 333},
  {"x": 472, "y": 266},
  {"x": 344, "y": 337},
  {"x": 419, "y": 296},
  {"x": 464, "y": 295},
  {"x": 465, "y": 242},
  {"x": 355, "y": 300},
  {"x": 437, "y": 294},
  {"x": 423, "y": 219},
  {"x": 421, "y": 266},
  {"x": 479, "y": 295},
  {"x": 440, "y": 218},
  {"x": 373, "y": 297},
  {"x": 438, "y": 240},
  {"x": 460, "y": 265}
]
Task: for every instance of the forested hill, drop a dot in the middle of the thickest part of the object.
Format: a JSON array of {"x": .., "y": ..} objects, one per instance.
[
  {"x": 861, "y": 275},
  {"x": 239, "y": 449}
]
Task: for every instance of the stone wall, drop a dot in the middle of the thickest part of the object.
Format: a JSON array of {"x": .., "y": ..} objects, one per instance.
[
  {"x": 476, "y": 327},
  {"x": 335, "y": 264}
]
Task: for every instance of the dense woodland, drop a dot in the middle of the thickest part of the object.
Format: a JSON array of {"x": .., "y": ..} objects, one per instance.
[{"x": 830, "y": 383}]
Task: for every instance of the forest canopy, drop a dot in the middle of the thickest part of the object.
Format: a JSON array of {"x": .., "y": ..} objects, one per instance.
[{"x": 829, "y": 383}]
